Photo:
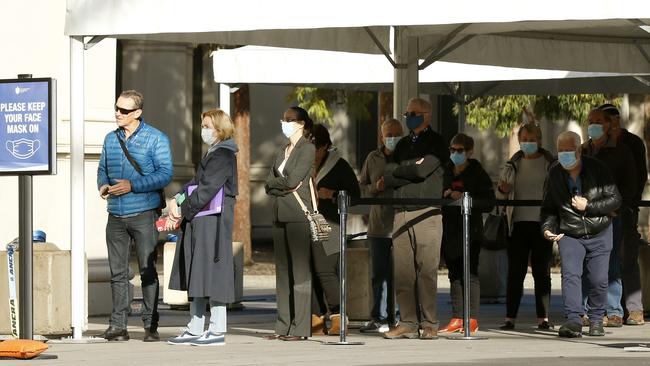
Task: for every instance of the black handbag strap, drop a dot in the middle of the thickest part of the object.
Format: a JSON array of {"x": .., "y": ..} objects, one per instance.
[{"x": 134, "y": 163}]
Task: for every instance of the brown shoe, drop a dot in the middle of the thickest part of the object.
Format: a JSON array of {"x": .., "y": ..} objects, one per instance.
[
  {"x": 585, "y": 321},
  {"x": 271, "y": 337},
  {"x": 429, "y": 333},
  {"x": 318, "y": 325},
  {"x": 635, "y": 318},
  {"x": 613, "y": 321},
  {"x": 335, "y": 325},
  {"x": 402, "y": 331}
]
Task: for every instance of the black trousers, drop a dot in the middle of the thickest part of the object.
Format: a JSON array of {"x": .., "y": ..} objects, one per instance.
[
  {"x": 325, "y": 279},
  {"x": 527, "y": 241},
  {"x": 456, "y": 281},
  {"x": 292, "y": 250}
]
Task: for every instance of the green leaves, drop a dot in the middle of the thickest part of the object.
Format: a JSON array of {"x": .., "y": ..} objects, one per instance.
[
  {"x": 503, "y": 113},
  {"x": 319, "y": 103}
]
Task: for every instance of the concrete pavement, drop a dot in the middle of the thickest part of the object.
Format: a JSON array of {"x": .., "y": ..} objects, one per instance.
[{"x": 524, "y": 346}]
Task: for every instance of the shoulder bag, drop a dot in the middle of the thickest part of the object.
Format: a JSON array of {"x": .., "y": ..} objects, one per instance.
[{"x": 319, "y": 227}]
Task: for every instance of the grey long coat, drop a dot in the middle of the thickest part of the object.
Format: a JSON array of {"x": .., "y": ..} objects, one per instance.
[{"x": 203, "y": 264}]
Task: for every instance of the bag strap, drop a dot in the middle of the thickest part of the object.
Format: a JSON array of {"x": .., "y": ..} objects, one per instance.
[
  {"x": 313, "y": 199},
  {"x": 128, "y": 156}
]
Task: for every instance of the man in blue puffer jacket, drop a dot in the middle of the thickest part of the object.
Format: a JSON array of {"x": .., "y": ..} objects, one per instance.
[{"x": 132, "y": 185}]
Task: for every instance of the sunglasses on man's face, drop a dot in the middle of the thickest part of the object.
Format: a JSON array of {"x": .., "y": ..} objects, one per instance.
[
  {"x": 124, "y": 110},
  {"x": 412, "y": 114}
]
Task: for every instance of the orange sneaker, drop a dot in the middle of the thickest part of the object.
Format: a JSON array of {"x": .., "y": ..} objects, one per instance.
[
  {"x": 455, "y": 325},
  {"x": 473, "y": 325}
]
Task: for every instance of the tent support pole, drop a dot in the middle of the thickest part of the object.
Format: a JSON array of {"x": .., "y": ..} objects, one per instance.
[
  {"x": 435, "y": 57},
  {"x": 383, "y": 49},
  {"x": 77, "y": 215},
  {"x": 405, "y": 85}
]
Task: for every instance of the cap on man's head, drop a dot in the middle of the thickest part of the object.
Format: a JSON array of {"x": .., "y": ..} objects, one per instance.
[{"x": 610, "y": 109}]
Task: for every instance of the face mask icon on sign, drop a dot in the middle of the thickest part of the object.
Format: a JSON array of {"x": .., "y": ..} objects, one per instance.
[{"x": 23, "y": 148}]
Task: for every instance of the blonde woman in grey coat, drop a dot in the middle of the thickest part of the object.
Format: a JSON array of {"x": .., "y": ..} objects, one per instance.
[{"x": 203, "y": 264}]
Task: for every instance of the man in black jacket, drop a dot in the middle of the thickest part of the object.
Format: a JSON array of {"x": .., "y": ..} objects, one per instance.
[
  {"x": 579, "y": 197},
  {"x": 630, "y": 246},
  {"x": 417, "y": 172},
  {"x": 620, "y": 161}
]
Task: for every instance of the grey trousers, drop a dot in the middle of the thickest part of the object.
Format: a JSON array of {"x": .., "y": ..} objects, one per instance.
[
  {"x": 292, "y": 250},
  {"x": 120, "y": 232},
  {"x": 416, "y": 254}
]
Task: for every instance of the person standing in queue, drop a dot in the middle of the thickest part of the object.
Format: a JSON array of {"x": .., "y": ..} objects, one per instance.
[
  {"x": 291, "y": 172},
  {"x": 333, "y": 174},
  {"x": 464, "y": 174},
  {"x": 203, "y": 264},
  {"x": 134, "y": 168},
  {"x": 417, "y": 172},
  {"x": 380, "y": 226}
]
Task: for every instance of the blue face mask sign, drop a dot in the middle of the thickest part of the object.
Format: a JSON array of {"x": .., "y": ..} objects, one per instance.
[{"x": 27, "y": 127}]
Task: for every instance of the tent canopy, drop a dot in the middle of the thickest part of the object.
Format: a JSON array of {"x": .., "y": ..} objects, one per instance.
[
  {"x": 269, "y": 65},
  {"x": 597, "y": 35}
]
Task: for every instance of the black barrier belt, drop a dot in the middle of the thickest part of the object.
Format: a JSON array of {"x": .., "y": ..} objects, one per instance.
[{"x": 446, "y": 202}]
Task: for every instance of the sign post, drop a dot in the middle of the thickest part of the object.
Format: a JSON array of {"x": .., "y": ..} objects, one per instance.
[{"x": 27, "y": 147}]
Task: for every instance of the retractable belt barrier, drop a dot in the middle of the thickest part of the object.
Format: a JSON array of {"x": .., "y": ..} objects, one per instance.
[{"x": 345, "y": 202}]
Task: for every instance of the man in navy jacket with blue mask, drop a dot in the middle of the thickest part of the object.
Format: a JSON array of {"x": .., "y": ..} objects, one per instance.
[
  {"x": 134, "y": 167},
  {"x": 417, "y": 172}
]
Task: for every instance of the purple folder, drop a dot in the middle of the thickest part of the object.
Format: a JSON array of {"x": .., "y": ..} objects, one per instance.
[{"x": 214, "y": 207}]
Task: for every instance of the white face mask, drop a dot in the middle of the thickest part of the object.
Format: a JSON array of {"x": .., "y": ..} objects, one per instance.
[{"x": 207, "y": 135}]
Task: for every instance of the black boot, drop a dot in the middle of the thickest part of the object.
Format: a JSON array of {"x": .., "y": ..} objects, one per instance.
[
  {"x": 571, "y": 330},
  {"x": 151, "y": 335},
  {"x": 596, "y": 329},
  {"x": 113, "y": 333}
]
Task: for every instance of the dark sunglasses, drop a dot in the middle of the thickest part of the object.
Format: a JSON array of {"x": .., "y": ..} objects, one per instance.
[
  {"x": 124, "y": 110},
  {"x": 459, "y": 150},
  {"x": 412, "y": 114}
]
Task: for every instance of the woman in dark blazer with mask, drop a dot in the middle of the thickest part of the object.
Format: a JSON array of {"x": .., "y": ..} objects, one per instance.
[{"x": 291, "y": 172}]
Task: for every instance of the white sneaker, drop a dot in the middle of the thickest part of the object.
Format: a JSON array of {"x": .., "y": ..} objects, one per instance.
[
  {"x": 210, "y": 339},
  {"x": 184, "y": 339}
]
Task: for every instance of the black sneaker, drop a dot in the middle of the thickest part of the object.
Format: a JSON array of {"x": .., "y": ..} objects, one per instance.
[
  {"x": 545, "y": 325},
  {"x": 374, "y": 326},
  {"x": 113, "y": 333},
  {"x": 596, "y": 329},
  {"x": 570, "y": 330},
  {"x": 507, "y": 325}
]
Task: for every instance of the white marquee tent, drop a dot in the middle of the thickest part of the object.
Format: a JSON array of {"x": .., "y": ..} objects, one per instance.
[{"x": 595, "y": 36}]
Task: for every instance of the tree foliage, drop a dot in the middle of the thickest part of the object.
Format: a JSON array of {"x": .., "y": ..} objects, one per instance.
[
  {"x": 320, "y": 103},
  {"x": 503, "y": 113}
]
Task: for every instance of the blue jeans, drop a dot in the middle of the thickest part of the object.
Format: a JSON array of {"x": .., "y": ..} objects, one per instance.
[
  {"x": 382, "y": 274},
  {"x": 120, "y": 232},
  {"x": 589, "y": 256}
]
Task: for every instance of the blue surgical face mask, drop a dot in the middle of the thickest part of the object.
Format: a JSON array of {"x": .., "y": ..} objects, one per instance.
[
  {"x": 391, "y": 142},
  {"x": 207, "y": 135},
  {"x": 23, "y": 148},
  {"x": 595, "y": 131},
  {"x": 413, "y": 122},
  {"x": 567, "y": 159},
  {"x": 528, "y": 148},
  {"x": 288, "y": 128},
  {"x": 458, "y": 158}
]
